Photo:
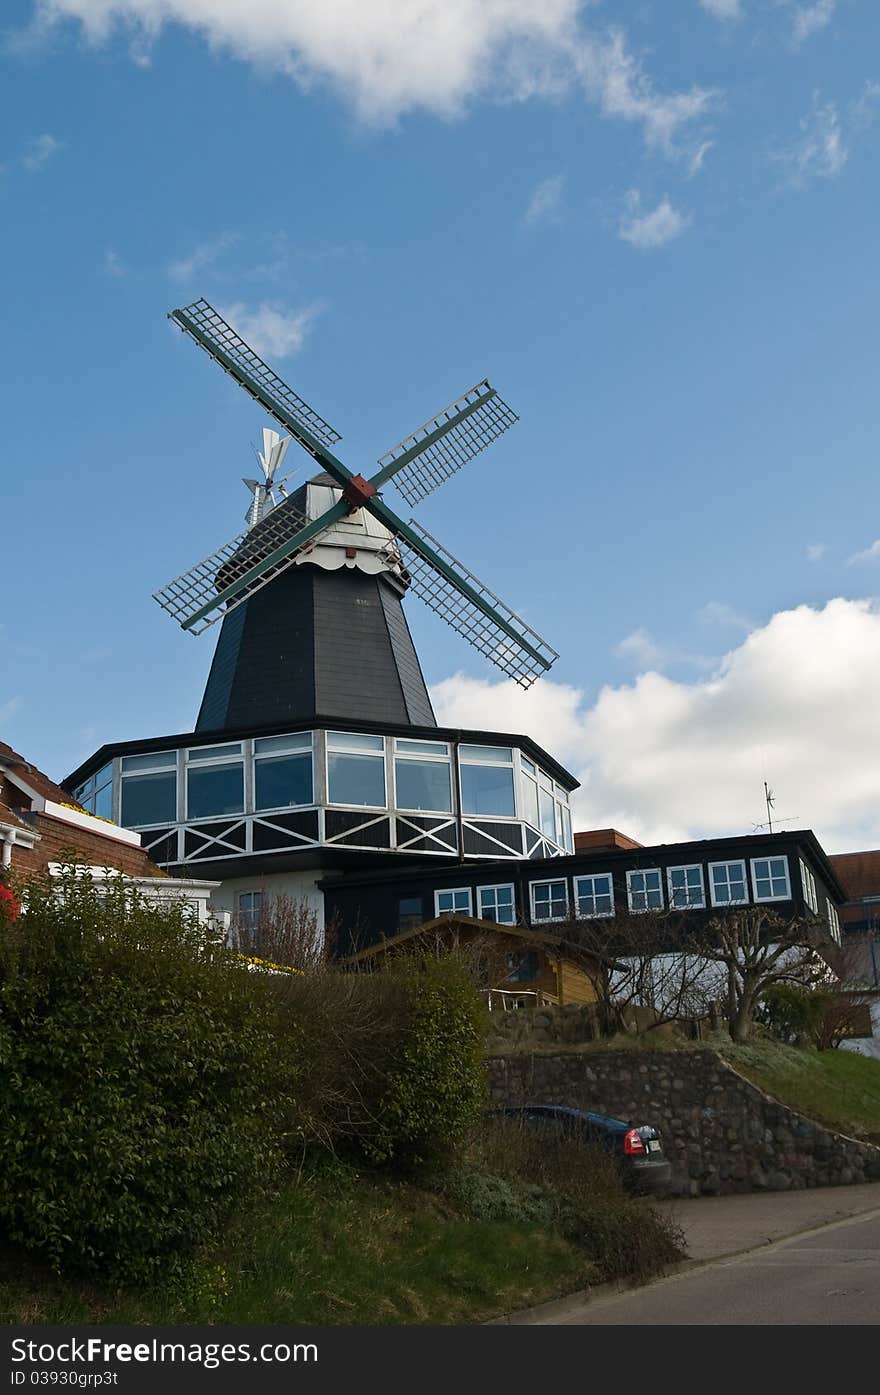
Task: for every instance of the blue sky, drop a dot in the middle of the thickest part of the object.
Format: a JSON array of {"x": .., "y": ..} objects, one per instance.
[{"x": 653, "y": 226}]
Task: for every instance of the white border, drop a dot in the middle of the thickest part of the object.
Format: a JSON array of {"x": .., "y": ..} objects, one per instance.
[
  {"x": 496, "y": 886},
  {"x": 451, "y": 890},
  {"x": 730, "y": 862},
  {"x": 592, "y": 915},
  {"x": 549, "y": 881},
  {"x": 770, "y": 857},
  {"x": 691, "y": 905},
  {"x": 641, "y": 872}
]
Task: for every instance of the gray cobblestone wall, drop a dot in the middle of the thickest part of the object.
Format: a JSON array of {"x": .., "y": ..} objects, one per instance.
[{"x": 721, "y": 1133}]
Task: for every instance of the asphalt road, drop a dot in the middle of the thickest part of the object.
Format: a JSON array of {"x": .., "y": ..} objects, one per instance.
[{"x": 828, "y": 1277}]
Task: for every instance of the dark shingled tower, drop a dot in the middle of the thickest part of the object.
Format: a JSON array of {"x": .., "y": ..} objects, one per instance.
[{"x": 316, "y": 643}]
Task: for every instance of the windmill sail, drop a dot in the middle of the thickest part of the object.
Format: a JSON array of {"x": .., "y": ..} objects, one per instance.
[
  {"x": 436, "y": 450},
  {"x": 226, "y": 578},
  {"x": 512, "y": 645},
  {"x": 203, "y": 324}
]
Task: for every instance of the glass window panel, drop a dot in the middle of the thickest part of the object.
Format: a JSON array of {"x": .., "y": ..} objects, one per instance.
[
  {"x": 487, "y": 789},
  {"x": 281, "y": 781},
  {"x": 522, "y": 967},
  {"x": 149, "y": 799},
  {"x": 104, "y": 802},
  {"x": 729, "y": 883},
  {"x": 645, "y": 891},
  {"x": 496, "y": 903},
  {"x": 217, "y": 789},
  {"x": 457, "y": 899},
  {"x": 423, "y": 784},
  {"x": 214, "y": 752},
  {"x": 300, "y": 741},
  {"x": 410, "y": 912},
  {"x": 527, "y": 765},
  {"x": 686, "y": 886},
  {"x": 595, "y": 895},
  {"x": 423, "y": 748},
  {"x": 103, "y": 776},
  {"x": 159, "y": 760},
  {"x": 356, "y": 780},
  {"x": 548, "y": 817},
  {"x": 550, "y": 900},
  {"x": 530, "y": 802},
  {"x": 771, "y": 878},
  {"x": 566, "y": 824},
  {"x": 354, "y": 741},
  {"x": 497, "y": 753}
]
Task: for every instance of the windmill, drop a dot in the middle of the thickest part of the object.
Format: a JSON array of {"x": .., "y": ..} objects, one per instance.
[
  {"x": 282, "y": 534},
  {"x": 263, "y": 491}
]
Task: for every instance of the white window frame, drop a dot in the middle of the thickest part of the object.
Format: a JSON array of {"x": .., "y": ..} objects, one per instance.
[
  {"x": 549, "y": 881},
  {"x": 591, "y": 877},
  {"x": 808, "y": 886},
  {"x": 453, "y": 891},
  {"x": 691, "y": 905},
  {"x": 833, "y": 920},
  {"x": 279, "y": 754},
  {"x": 499, "y": 763},
  {"x": 644, "y": 872},
  {"x": 440, "y": 755},
  {"x": 497, "y": 886},
  {"x": 355, "y": 751},
  {"x": 730, "y": 862},
  {"x": 771, "y": 857},
  {"x": 211, "y": 763},
  {"x": 172, "y": 763}
]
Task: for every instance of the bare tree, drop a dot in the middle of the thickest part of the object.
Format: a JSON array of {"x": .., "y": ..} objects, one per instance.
[
  {"x": 755, "y": 948},
  {"x": 642, "y": 960},
  {"x": 285, "y": 932}
]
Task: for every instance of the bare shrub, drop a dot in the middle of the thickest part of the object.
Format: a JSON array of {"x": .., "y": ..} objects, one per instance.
[{"x": 285, "y": 932}]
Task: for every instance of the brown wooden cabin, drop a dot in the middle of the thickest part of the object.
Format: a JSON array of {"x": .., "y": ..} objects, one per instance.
[{"x": 512, "y": 963}]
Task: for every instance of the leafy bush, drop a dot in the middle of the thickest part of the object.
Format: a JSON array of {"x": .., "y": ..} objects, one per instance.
[
  {"x": 392, "y": 1062},
  {"x": 514, "y": 1174},
  {"x": 791, "y": 1014},
  {"x": 434, "y": 1083},
  {"x": 143, "y": 1086}
]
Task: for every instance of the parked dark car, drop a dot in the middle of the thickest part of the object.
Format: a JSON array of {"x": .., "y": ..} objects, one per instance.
[{"x": 637, "y": 1148}]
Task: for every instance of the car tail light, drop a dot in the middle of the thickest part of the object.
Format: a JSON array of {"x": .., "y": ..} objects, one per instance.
[{"x": 633, "y": 1142}]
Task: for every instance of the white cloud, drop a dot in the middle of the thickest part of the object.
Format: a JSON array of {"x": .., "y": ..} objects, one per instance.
[
  {"x": 113, "y": 265},
  {"x": 822, "y": 151},
  {"x": 39, "y": 152},
  {"x": 545, "y": 199},
  {"x": 664, "y": 760},
  {"x": 202, "y": 256},
  {"x": 809, "y": 19},
  {"x": 816, "y": 551},
  {"x": 827, "y": 135},
  {"x": 642, "y": 648},
  {"x": 719, "y": 613},
  {"x": 723, "y": 9},
  {"x": 652, "y": 229},
  {"x": 870, "y": 554},
  {"x": 397, "y": 56},
  {"x": 272, "y": 330}
]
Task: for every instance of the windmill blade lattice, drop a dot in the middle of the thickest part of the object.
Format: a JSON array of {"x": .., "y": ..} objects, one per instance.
[
  {"x": 524, "y": 659},
  {"x": 212, "y": 333},
  {"x": 436, "y": 450},
  {"x": 213, "y": 587}
]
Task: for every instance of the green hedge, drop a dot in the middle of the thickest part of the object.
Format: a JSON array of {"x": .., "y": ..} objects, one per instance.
[{"x": 143, "y": 1084}]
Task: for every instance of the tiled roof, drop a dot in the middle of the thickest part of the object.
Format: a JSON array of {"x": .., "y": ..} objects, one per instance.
[
  {"x": 17, "y": 766},
  {"x": 858, "y": 872}
]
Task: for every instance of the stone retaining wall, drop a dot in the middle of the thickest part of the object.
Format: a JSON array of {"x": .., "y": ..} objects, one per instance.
[{"x": 721, "y": 1133}]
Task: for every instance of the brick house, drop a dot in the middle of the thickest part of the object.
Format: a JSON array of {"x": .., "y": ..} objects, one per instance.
[{"x": 40, "y": 827}]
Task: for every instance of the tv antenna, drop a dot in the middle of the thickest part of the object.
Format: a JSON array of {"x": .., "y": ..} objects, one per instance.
[{"x": 770, "y": 801}]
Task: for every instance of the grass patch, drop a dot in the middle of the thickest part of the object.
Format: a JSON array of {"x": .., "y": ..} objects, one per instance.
[
  {"x": 337, "y": 1247},
  {"x": 839, "y": 1089},
  {"x": 333, "y": 1248}
]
